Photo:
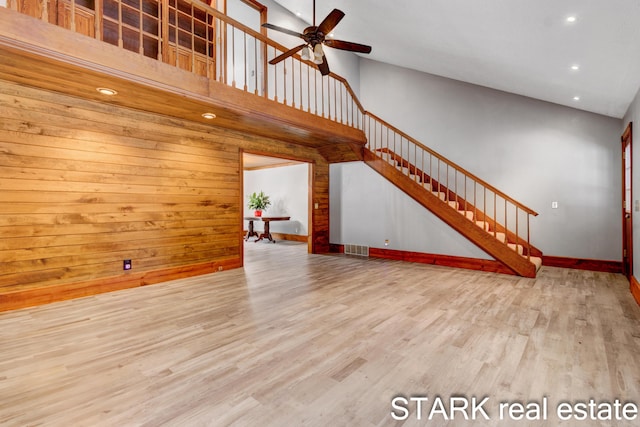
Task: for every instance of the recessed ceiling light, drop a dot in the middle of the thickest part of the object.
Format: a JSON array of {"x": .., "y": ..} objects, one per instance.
[
  {"x": 298, "y": 14},
  {"x": 107, "y": 91},
  {"x": 331, "y": 34},
  {"x": 571, "y": 18},
  {"x": 209, "y": 116},
  {"x": 575, "y": 67},
  {"x": 576, "y": 98}
]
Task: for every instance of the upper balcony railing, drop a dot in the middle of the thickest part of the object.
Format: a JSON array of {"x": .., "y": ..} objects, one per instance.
[{"x": 195, "y": 37}]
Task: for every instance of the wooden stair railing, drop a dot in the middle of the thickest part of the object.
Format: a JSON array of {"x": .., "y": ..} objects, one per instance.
[{"x": 479, "y": 203}]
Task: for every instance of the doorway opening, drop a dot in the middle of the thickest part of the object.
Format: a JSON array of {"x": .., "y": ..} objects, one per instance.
[{"x": 287, "y": 183}]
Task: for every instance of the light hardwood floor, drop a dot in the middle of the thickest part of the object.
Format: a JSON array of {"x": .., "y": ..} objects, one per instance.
[{"x": 296, "y": 339}]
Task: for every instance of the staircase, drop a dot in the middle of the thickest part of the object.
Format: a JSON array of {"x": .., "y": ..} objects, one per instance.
[{"x": 495, "y": 222}]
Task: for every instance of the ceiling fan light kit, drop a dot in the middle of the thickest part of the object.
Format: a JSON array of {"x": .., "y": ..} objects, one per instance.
[
  {"x": 318, "y": 54},
  {"x": 306, "y": 53},
  {"x": 314, "y": 38}
]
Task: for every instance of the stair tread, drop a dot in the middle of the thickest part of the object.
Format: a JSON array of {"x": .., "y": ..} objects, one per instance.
[
  {"x": 468, "y": 214},
  {"x": 501, "y": 237},
  {"x": 517, "y": 248},
  {"x": 537, "y": 261},
  {"x": 483, "y": 224}
]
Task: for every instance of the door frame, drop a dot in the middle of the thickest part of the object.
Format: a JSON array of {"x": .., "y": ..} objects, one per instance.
[
  {"x": 627, "y": 205},
  {"x": 310, "y": 194}
]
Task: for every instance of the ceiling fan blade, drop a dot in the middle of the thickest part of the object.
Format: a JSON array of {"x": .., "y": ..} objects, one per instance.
[
  {"x": 324, "y": 66},
  {"x": 287, "y": 54},
  {"x": 330, "y": 21},
  {"x": 283, "y": 30},
  {"x": 354, "y": 47}
]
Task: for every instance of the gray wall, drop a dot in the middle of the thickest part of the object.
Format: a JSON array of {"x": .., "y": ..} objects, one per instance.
[
  {"x": 366, "y": 209},
  {"x": 535, "y": 151},
  {"x": 633, "y": 115}
]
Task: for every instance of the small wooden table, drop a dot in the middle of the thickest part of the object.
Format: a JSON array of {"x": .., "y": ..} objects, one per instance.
[{"x": 267, "y": 233}]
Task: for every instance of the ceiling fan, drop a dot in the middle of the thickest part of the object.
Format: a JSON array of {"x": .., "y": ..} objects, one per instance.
[{"x": 314, "y": 38}]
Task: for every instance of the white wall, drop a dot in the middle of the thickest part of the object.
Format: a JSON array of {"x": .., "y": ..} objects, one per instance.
[
  {"x": 633, "y": 116},
  {"x": 242, "y": 12},
  {"x": 288, "y": 190},
  {"x": 535, "y": 151}
]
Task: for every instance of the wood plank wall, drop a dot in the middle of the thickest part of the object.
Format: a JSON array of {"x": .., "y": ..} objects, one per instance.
[{"x": 85, "y": 185}]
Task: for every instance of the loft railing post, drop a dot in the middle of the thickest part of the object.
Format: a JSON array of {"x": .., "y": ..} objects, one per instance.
[
  {"x": 308, "y": 88},
  {"x": 120, "y": 40},
  {"x": 265, "y": 71},
  {"x": 322, "y": 92},
  {"x": 193, "y": 41},
  {"x": 284, "y": 82},
  {"x": 300, "y": 76},
  {"x": 315, "y": 91},
  {"x": 97, "y": 22},
  {"x": 233, "y": 56},
  {"x": 72, "y": 24},
  {"x": 246, "y": 68}
]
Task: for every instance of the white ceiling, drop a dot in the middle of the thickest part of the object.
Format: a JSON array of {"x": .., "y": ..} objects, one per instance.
[{"x": 520, "y": 46}]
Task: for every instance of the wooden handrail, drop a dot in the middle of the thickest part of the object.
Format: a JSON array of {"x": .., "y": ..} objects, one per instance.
[
  {"x": 351, "y": 92},
  {"x": 452, "y": 164}
]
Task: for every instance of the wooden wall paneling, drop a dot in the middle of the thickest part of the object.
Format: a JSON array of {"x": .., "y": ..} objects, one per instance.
[
  {"x": 88, "y": 184},
  {"x": 93, "y": 185},
  {"x": 320, "y": 208}
]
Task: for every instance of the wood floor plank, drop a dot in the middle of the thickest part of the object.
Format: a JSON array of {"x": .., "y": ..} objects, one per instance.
[{"x": 299, "y": 339}]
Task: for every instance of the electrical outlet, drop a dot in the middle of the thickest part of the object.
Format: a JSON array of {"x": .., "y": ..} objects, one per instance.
[
  {"x": 554, "y": 205},
  {"x": 126, "y": 264}
]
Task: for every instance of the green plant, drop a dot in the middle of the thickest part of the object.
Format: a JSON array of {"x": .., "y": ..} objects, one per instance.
[{"x": 259, "y": 201}]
